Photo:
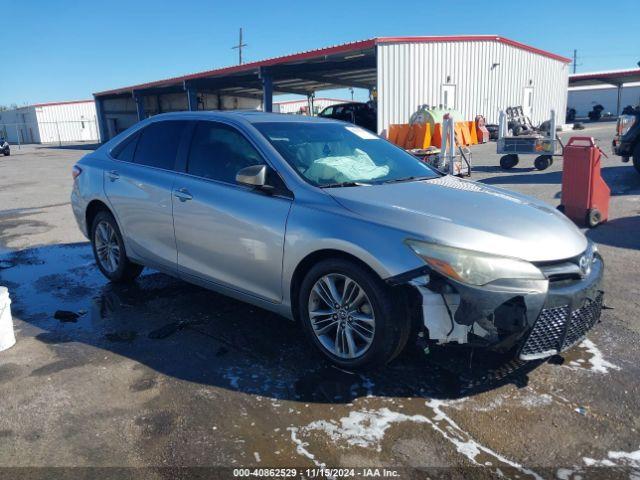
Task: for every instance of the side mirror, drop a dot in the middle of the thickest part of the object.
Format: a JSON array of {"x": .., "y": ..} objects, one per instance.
[{"x": 253, "y": 176}]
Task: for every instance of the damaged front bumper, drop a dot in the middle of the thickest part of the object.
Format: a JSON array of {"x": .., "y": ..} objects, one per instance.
[{"x": 535, "y": 318}]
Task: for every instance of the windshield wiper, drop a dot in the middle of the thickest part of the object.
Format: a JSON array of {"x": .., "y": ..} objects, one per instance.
[
  {"x": 408, "y": 179},
  {"x": 345, "y": 184}
]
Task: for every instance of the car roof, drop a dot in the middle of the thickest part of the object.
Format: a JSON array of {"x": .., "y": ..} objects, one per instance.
[{"x": 249, "y": 116}]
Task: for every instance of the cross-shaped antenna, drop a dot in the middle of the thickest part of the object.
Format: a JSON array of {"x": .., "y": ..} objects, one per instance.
[{"x": 239, "y": 47}]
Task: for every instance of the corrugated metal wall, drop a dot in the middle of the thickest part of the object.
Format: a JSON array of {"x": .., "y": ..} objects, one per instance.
[
  {"x": 584, "y": 98},
  {"x": 54, "y": 123},
  {"x": 319, "y": 104},
  {"x": 122, "y": 114},
  {"x": 412, "y": 74},
  {"x": 67, "y": 122},
  {"x": 20, "y": 125}
]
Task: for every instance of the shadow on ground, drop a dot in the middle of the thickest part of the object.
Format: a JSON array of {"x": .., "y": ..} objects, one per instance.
[
  {"x": 190, "y": 333},
  {"x": 620, "y": 232},
  {"x": 623, "y": 180}
]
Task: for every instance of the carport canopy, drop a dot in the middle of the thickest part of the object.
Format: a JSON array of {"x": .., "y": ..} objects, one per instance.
[
  {"x": 617, "y": 78},
  {"x": 348, "y": 65}
]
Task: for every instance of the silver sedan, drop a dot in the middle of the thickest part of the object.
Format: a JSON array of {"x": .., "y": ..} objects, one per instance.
[{"x": 325, "y": 223}]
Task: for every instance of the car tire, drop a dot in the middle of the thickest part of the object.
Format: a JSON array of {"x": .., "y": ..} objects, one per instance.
[
  {"x": 636, "y": 157},
  {"x": 334, "y": 332},
  {"x": 109, "y": 250},
  {"x": 7, "y": 153}
]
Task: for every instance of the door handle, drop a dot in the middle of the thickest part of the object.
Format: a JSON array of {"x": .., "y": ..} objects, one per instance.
[
  {"x": 113, "y": 175},
  {"x": 183, "y": 194}
]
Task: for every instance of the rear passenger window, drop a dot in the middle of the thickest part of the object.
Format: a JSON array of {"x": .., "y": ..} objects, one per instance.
[
  {"x": 124, "y": 151},
  {"x": 158, "y": 144},
  {"x": 218, "y": 152}
]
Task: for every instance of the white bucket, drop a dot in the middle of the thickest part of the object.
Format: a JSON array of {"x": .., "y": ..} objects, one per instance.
[{"x": 7, "y": 338}]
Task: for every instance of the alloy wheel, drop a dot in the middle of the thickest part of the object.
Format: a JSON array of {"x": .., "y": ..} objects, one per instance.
[
  {"x": 107, "y": 246},
  {"x": 342, "y": 316}
]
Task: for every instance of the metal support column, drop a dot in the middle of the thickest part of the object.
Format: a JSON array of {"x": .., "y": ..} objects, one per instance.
[
  {"x": 101, "y": 120},
  {"x": 619, "y": 100},
  {"x": 192, "y": 97},
  {"x": 267, "y": 90},
  {"x": 310, "y": 106},
  {"x": 139, "y": 106}
]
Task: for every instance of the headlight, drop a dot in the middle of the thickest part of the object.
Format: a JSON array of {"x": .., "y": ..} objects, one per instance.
[
  {"x": 625, "y": 122},
  {"x": 474, "y": 268}
]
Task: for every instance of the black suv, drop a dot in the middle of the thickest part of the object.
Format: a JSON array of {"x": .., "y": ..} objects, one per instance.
[
  {"x": 362, "y": 114},
  {"x": 626, "y": 142}
]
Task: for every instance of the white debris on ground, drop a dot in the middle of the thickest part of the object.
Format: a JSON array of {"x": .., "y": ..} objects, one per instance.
[
  {"x": 597, "y": 361},
  {"x": 301, "y": 447},
  {"x": 362, "y": 428},
  {"x": 366, "y": 428},
  {"x": 616, "y": 459},
  {"x": 466, "y": 445}
]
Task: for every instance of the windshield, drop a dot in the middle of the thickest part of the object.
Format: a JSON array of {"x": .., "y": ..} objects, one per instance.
[{"x": 334, "y": 154}]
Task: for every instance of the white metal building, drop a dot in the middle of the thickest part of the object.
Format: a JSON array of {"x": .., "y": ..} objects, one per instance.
[
  {"x": 613, "y": 89},
  {"x": 474, "y": 74},
  {"x": 56, "y": 122},
  {"x": 301, "y": 107}
]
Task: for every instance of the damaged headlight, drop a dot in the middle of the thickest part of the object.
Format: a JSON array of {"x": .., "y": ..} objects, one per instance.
[{"x": 474, "y": 268}]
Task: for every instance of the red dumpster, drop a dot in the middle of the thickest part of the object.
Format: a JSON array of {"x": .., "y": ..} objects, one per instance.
[{"x": 585, "y": 195}]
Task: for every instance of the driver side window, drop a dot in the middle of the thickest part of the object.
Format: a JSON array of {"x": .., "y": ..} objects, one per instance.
[{"x": 218, "y": 152}]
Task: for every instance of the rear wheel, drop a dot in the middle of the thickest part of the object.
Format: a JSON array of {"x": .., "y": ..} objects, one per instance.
[
  {"x": 508, "y": 161},
  {"x": 109, "y": 251},
  {"x": 349, "y": 315}
]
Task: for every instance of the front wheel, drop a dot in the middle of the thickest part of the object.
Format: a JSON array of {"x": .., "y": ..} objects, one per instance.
[
  {"x": 349, "y": 315},
  {"x": 109, "y": 251}
]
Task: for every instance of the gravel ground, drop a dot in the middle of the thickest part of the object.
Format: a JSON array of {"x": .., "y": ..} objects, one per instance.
[{"x": 160, "y": 374}]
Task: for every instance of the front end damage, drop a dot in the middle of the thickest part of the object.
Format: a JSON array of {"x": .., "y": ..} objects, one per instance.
[{"x": 533, "y": 318}]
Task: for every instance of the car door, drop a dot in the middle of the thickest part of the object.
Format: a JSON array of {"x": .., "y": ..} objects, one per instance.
[
  {"x": 228, "y": 233},
  {"x": 138, "y": 184}
]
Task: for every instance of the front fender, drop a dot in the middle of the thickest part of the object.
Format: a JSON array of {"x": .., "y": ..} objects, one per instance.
[{"x": 311, "y": 229}]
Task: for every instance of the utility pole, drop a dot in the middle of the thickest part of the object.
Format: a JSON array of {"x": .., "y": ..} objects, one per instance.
[
  {"x": 575, "y": 57},
  {"x": 239, "y": 47}
]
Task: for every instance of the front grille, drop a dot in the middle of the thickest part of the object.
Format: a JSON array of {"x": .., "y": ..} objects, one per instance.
[
  {"x": 583, "y": 320},
  {"x": 557, "y": 329}
]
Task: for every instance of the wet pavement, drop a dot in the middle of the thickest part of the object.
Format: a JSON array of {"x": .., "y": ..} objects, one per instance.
[{"x": 161, "y": 373}]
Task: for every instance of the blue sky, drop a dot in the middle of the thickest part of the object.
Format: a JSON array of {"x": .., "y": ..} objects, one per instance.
[{"x": 67, "y": 49}]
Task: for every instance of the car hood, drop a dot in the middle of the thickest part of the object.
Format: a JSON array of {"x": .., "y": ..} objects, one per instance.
[{"x": 468, "y": 215}]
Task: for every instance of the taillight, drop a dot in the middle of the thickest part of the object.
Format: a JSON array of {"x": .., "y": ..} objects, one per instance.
[{"x": 76, "y": 171}]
